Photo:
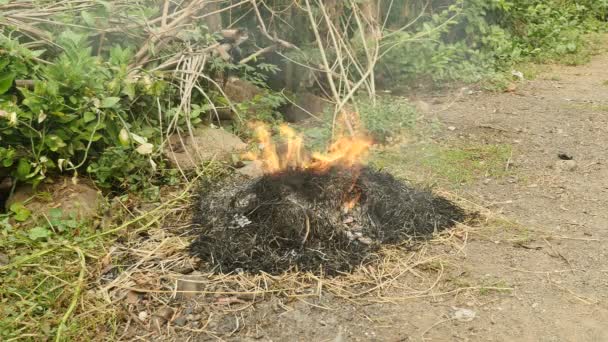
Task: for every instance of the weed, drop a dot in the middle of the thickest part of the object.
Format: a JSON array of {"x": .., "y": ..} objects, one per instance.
[
  {"x": 383, "y": 120},
  {"x": 497, "y": 286},
  {"x": 35, "y": 295},
  {"x": 451, "y": 166}
]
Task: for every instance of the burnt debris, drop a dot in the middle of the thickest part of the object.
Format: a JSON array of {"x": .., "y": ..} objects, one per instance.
[{"x": 304, "y": 220}]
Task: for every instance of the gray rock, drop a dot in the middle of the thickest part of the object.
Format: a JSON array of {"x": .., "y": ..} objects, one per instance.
[
  {"x": 305, "y": 106},
  {"x": 180, "y": 321},
  {"x": 189, "y": 151},
  {"x": 238, "y": 90},
  {"x": 463, "y": 315}
]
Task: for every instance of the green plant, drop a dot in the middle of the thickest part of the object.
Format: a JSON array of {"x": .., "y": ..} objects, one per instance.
[
  {"x": 470, "y": 40},
  {"x": 387, "y": 117},
  {"x": 382, "y": 119},
  {"x": 39, "y": 292}
]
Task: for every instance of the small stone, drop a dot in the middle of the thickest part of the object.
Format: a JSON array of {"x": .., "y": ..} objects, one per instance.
[
  {"x": 180, "y": 321},
  {"x": 166, "y": 313},
  {"x": 143, "y": 316},
  {"x": 464, "y": 315},
  {"x": 452, "y": 128},
  {"x": 567, "y": 165}
]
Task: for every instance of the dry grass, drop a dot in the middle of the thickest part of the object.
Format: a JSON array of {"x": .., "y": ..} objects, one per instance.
[{"x": 152, "y": 267}]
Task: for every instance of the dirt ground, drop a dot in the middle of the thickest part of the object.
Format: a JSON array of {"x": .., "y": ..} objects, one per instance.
[
  {"x": 556, "y": 266},
  {"x": 533, "y": 269}
]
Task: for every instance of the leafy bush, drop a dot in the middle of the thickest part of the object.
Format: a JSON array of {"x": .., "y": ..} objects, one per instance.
[
  {"x": 85, "y": 108},
  {"x": 78, "y": 106},
  {"x": 469, "y": 40}
]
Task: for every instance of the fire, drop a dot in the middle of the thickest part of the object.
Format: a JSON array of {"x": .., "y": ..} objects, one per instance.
[{"x": 345, "y": 151}]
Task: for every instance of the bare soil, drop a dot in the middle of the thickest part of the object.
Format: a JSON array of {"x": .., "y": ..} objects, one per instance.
[
  {"x": 556, "y": 266},
  {"x": 533, "y": 270}
]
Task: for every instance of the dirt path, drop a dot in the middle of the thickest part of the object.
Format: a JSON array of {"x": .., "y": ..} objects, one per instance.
[
  {"x": 554, "y": 261},
  {"x": 561, "y": 286}
]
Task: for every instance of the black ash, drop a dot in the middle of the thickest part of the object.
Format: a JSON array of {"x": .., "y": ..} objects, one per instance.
[{"x": 304, "y": 220}]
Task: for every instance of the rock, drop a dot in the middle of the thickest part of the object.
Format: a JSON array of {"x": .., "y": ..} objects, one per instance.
[
  {"x": 518, "y": 74},
  {"x": 188, "y": 287},
  {"x": 79, "y": 200},
  {"x": 165, "y": 313},
  {"x": 567, "y": 165},
  {"x": 252, "y": 169},
  {"x": 305, "y": 105},
  {"x": 180, "y": 321},
  {"x": 238, "y": 90},
  {"x": 464, "y": 315},
  {"x": 203, "y": 145},
  {"x": 161, "y": 317}
]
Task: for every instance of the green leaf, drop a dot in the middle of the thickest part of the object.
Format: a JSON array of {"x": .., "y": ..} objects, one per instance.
[
  {"x": 88, "y": 18},
  {"x": 55, "y": 213},
  {"x": 38, "y": 53},
  {"x": 39, "y": 233},
  {"x": 23, "y": 169},
  {"x": 6, "y": 81},
  {"x": 21, "y": 212},
  {"x": 89, "y": 116},
  {"x": 109, "y": 102},
  {"x": 55, "y": 143}
]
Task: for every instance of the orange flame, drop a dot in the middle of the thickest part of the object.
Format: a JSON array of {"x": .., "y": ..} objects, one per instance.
[{"x": 345, "y": 151}]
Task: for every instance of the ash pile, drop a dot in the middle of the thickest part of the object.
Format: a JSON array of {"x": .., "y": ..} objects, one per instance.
[{"x": 323, "y": 222}]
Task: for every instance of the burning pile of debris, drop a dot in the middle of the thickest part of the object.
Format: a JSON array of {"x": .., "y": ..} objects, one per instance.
[{"x": 325, "y": 214}]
